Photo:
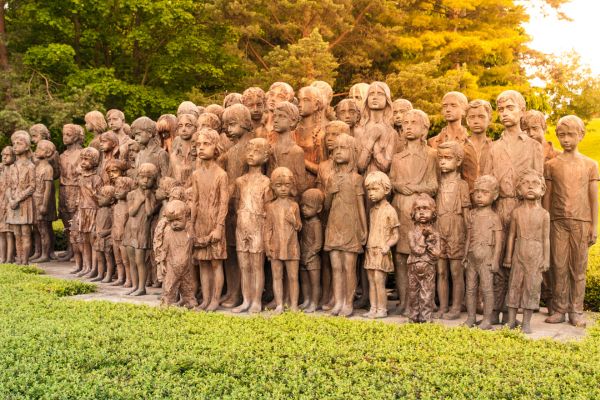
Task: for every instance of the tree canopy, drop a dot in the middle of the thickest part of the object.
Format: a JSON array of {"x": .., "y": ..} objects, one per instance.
[{"x": 146, "y": 56}]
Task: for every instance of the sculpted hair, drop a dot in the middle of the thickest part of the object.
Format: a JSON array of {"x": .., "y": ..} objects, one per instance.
[
  {"x": 9, "y": 150},
  {"x": 326, "y": 91},
  {"x": 252, "y": 92},
  {"x": 145, "y": 124},
  {"x": 341, "y": 126},
  {"x": 531, "y": 117},
  {"x": 346, "y": 141},
  {"x": 215, "y": 109},
  {"x": 424, "y": 199},
  {"x": 240, "y": 112},
  {"x": 281, "y": 173},
  {"x": 116, "y": 164},
  {"x": 388, "y": 112},
  {"x": 514, "y": 96},
  {"x": 289, "y": 91},
  {"x": 148, "y": 169},
  {"x": 403, "y": 102},
  {"x": 214, "y": 138},
  {"x": 347, "y": 102},
  {"x": 166, "y": 124},
  {"x": 47, "y": 145},
  {"x": 231, "y": 99},
  {"x": 456, "y": 148},
  {"x": 313, "y": 197},
  {"x": 422, "y": 116},
  {"x": 187, "y": 107},
  {"x": 175, "y": 209},
  {"x": 112, "y": 137},
  {"x": 481, "y": 103},
  {"x": 97, "y": 121},
  {"x": 315, "y": 93},
  {"x": 378, "y": 178},
  {"x": 75, "y": 129},
  {"x": 124, "y": 182},
  {"x": 118, "y": 113},
  {"x": 212, "y": 120},
  {"x": 291, "y": 110},
  {"x": 41, "y": 130},
  {"x": 91, "y": 154},
  {"x": 462, "y": 99},
  {"x": 572, "y": 121},
  {"x": 489, "y": 182},
  {"x": 21, "y": 135},
  {"x": 530, "y": 172}
]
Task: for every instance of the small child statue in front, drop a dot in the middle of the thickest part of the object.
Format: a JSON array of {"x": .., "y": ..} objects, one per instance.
[
  {"x": 7, "y": 238},
  {"x": 425, "y": 248},
  {"x": 21, "y": 185},
  {"x": 252, "y": 192},
  {"x": 142, "y": 206},
  {"x": 311, "y": 243},
  {"x": 527, "y": 249},
  {"x": 103, "y": 245},
  {"x": 123, "y": 185},
  {"x": 453, "y": 203},
  {"x": 176, "y": 251},
  {"x": 383, "y": 235},
  {"x": 572, "y": 200},
  {"x": 43, "y": 198},
  {"x": 483, "y": 249},
  {"x": 281, "y": 237}
]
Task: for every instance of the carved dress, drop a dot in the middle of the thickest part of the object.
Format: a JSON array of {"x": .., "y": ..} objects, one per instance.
[
  {"x": 252, "y": 192},
  {"x": 21, "y": 185},
  {"x": 210, "y": 195}
]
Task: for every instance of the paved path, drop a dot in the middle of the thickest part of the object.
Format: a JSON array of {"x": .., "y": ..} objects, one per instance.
[{"x": 562, "y": 332}]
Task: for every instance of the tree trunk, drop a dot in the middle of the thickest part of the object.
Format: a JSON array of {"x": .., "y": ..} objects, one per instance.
[{"x": 3, "y": 48}]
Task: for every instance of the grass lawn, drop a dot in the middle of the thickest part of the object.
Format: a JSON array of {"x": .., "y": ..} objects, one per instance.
[{"x": 58, "y": 348}]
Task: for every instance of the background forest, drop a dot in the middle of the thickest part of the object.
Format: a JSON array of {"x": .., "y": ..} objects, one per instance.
[{"x": 63, "y": 58}]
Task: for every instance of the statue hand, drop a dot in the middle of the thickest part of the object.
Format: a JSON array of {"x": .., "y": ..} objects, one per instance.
[{"x": 593, "y": 237}]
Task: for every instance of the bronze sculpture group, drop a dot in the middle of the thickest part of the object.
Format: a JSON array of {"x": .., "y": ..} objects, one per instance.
[{"x": 273, "y": 197}]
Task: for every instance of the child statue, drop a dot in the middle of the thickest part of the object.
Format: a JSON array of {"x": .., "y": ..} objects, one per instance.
[
  {"x": 277, "y": 93},
  {"x": 7, "y": 238},
  {"x": 252, "y": 192},
  {"x": 40, "y": 132},
  {"x": 137, "y": 238},
  {"x": 383, "y": 235},
  {"x": 400, "y": 107},
  {"x": 114, "y": 169},
  {"x": 454, "y": 109},
  {"x": 327, "y": 95},
  {"x": 44, "y": 199},
  {"x": 281, "y": 236},
  {"x": 527, "y": 249},
  {"x": 346, "y": 230},
  {"x": 96, "y": 125},
  {"x": 375, "y": 136},
  {"x": 512, "y": 153},
  {"x": 332, "y": 130},
  {"x": 479, "y": 116},
  {"x": 572, "y": 200},
  {"x": 311, "y": 243},
  {"x": 181, "y": 158},
  {"x": 109, "y": 151},
  {"x": 425, "y": 248},
  {"x": 20, "y": 189},
  {"x": 210, "y": 200},
  {"x": 310, "y": 130},
  {"x": 534, "y": 125},
  {"x": 166, "y": 126},
  {"x": 144, "y": 131},
  {"x": 187, "y": 107},
  {"x": 176, "y": 251},
  {"x": 413, "y": 171},
  {"x": 87, "y": 206},
  {"x": 103, "y": 245},
  {"x": 483, "y": 249},
  {"x": 116, "y": 123},
  {"x": 255, "y": 100},
  {"x": 453, "y": 203},
  {"x": 120, "y": 215},
  {"x": 347, "y": 111},
  {"x": 286, "y": 153}
]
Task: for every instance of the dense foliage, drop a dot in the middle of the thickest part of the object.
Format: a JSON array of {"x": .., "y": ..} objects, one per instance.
[
  {"x": 53, "y": 348},
  {"x": 63, "y": 58}
]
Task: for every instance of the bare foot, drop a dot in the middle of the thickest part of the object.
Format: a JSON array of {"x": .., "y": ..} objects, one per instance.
[
  {"x": 255, "y": 308},
  {"x": 278, "y": 310},
  {"x": 346, "y": 311},
  {"x": 312, "y": 307},
  {"x": 241, "y": 308},
  {"x": 117, "y": 283},
  {"x": 140, "y": 292},
  {"x": 230, "y": 302}
]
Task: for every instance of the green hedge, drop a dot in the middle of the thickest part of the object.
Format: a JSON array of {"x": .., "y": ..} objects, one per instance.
[{"x": 57, "y": 348}]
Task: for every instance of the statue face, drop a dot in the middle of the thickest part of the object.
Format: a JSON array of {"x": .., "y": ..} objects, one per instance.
[
  {"x": 20, "y": 146},
  {"x": 7, "y": 157},
  {"x": 413, "y": 127},
  {"x": 331, "y": 135},
  {"x": 452, "y": 110},
  {"x": 569, "y": 137},
  {"x": 536, "y": 131},
  {"x": 255, "y": 156},
  {"x": 281, "y": 122},
  {"x": 342, "y": 153},
  {"x": 256, "y": 107},
  {"x": 145, "y": 181},
  {"x": 510, "y": 113},
  {"x": 530, "y": 187},
  {"x": 105, "y": 144},
  {"x": 376, "y": 99},
  {"x": 447, "y": 160},
  {"x": 69, "y": 137},
  {"x": 115, "y": 123},
  {"x": 234, "y": 128},
  {"x": 282, "y": 187},
  {"x": 307, "y": 104},
  {"x": 113, "y": 173},
  {"x": 185, "y": 128},
  {"x": 42, "y": 153},
  {"x": 35, "y": 137},
  {"x": 348, "y": 114},
  {"x": 478, "y": 120},
  {"x": 276, "y": 96},
  {"x": 398, "y": 112},
  {"x": 376, "y": 193},
  {"x": 423, "y": 213},
  {"x": 87, "y": 163},
  {"x": 141, "y": 136},
  {"x": 205, "y": 149},
  {"x": 178, "y": 222},
  {"x": 308, "y": 210},
  {"x": 483, "y": 196}
]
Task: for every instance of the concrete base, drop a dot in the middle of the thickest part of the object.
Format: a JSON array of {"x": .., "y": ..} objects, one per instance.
[{"x": 541, "y": 330}]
